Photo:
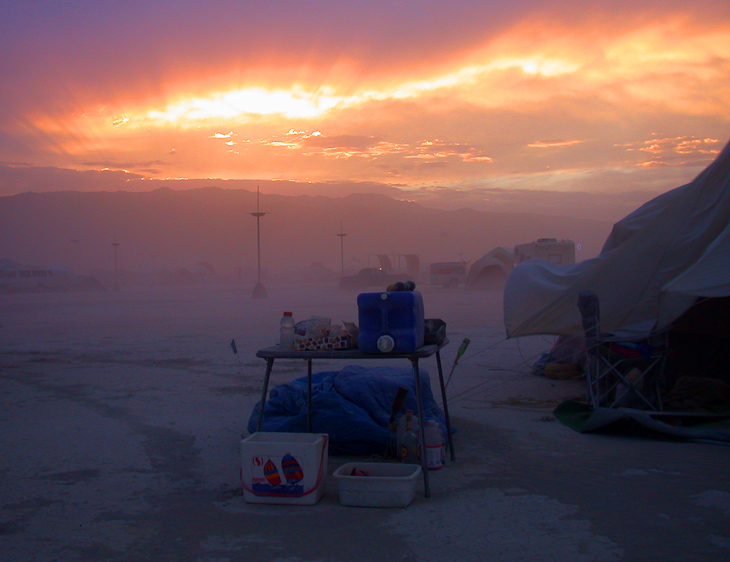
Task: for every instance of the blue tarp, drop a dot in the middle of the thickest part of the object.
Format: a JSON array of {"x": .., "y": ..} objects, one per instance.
[{"x": 352, "y": 405}]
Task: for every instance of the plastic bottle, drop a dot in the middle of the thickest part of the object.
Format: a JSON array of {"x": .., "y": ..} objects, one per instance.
[
  {"x": 286, "y": 341},
  {"x": 401, "y": 429},
  {"x": 409, "y": 441},
  {"x": 434, "y": 445}
]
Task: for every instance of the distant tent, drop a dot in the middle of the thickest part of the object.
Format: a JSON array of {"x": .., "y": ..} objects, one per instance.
[
  {"x": 385, "y": 262},
  {"x": 490, "y": 272},
  {"x": 413, "y": 264},
  {"x": 19, "y": 278},
  {"x": 316, "y": 271}
]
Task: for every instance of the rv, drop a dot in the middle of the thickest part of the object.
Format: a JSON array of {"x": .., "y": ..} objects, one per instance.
[
  {"x": 551, "y": 249},
  {"x": 448, "y": 273}
]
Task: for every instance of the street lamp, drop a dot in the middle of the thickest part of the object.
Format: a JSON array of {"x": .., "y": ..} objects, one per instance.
[
  {"x": 259, "y": 292},
  {"x": 342, "y": 249}
]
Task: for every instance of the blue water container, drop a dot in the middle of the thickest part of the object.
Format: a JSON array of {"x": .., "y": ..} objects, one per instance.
[{"x": 390, "y": 321}]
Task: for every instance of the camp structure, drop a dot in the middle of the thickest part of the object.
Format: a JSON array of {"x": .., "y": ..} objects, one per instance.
[
  {"x": 448, "y": 273},
  {"x": 664, "y": 267},
  {"x": 552, "y": 249},
  {"x": 491, "y": 270},
  {"x": 21, "y": 278},
  {"x": 653, "y": 267}
]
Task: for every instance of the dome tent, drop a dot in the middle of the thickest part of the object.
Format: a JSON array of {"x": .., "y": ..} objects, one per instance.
[{"x": 491, "y": 270}]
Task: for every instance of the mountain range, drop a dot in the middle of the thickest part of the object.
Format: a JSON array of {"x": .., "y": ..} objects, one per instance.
[{"x": 169, "y": 229}]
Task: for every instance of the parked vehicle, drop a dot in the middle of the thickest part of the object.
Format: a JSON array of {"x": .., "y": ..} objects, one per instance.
[
  {"x": 370, "y": 277},
  {"x": 552, "y": 249},
  {"x": 448, "y": 273}
]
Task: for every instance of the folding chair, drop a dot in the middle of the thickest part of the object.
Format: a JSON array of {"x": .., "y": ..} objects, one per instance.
[{"x": 620, "y": 371}]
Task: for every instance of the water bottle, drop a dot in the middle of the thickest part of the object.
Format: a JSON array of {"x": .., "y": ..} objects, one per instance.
[
  {"x": 434, "y": 445},
  {"x": 409, "y": 441},
  {"x": 401, "y": 429},
  {"x": 286, "y": 341}
]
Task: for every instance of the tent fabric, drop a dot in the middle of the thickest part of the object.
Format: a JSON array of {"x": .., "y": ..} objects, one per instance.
[
  {"x": 653, "y": 266},
  {"x": 352, "y": 405},
  {"x": 491, "y": 270},
  {"x": 487, "y": 273}
]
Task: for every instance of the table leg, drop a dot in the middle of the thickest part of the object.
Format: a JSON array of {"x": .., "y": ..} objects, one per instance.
[
  {"x": 309, "y": 395},
  {"x": 269, "y": 365},
  {"x": 446, "y": 406},
  {"x": 422, "y": 421}
]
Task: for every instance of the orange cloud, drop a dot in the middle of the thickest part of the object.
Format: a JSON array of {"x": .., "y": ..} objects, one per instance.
[
  {"x": 552, "y": 143},
  {"x": 676, "y": 145}
]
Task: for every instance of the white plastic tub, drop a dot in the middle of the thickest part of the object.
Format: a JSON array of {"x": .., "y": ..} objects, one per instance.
[
  {"x": 284, "y": 468},
  {"x": 386, "y": 484}
]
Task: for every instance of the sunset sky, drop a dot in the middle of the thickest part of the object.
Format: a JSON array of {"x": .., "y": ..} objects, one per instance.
[{"x": 490, "y": 104}]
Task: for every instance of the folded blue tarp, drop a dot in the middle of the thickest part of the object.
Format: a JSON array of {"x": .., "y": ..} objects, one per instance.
[{"x": 352, "y": 405}]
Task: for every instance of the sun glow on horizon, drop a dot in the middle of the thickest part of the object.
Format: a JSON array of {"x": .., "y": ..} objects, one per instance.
[
  {"x": 509, "y": 70},
  {"x": 243, "y": 101},
  {"x": 240, "y": 103}
]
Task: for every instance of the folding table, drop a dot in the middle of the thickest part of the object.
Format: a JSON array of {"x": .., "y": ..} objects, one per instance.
[{"x": 274, "y": 352}]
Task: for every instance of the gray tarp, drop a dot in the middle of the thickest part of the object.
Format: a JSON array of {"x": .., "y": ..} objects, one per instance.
[{"x": 652, "y": 267}]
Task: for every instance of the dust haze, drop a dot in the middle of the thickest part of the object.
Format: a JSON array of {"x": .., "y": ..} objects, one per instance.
[{"x": 166, "y": 236}]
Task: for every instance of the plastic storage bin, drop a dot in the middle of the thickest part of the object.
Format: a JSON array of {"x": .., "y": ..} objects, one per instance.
[
  {"x": 386, "y": 484},
  {"x": 284, "y": 468},
  {"x": 397, "y": 317}
]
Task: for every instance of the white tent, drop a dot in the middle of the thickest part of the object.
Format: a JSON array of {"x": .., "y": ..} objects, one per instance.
[
  {"x": 653, "y": 266},
  {"x": 491, "y": 270}
]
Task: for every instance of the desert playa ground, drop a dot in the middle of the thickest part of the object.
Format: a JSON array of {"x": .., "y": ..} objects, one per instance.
[{"x": 122, "y": 414}]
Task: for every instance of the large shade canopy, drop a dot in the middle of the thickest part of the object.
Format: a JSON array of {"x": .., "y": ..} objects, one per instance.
[{"x": 653, "y": 266}]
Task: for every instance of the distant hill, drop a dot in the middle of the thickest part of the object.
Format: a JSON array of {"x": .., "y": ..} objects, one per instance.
[{"x": 166, "y": 229}]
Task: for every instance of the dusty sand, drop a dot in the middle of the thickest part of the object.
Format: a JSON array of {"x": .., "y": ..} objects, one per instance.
[{"x": 122, "y": 415}]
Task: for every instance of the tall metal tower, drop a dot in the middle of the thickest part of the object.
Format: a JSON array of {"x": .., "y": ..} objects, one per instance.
[
  {"x": 342, "y": 248},
  {"x": 115, "y": 244},
  {"x": 259, "y": 291}
]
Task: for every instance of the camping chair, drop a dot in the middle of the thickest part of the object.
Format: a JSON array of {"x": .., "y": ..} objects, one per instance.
[{"x": 620, "y": 371}]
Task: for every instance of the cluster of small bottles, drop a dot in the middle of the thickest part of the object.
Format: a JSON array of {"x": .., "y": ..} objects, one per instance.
[{"x": 410, "y": 442}]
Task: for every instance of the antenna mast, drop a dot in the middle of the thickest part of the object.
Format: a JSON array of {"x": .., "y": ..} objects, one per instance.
[
  {"x": 342, "y": 249},
  {"x": 259, "y": 292}
]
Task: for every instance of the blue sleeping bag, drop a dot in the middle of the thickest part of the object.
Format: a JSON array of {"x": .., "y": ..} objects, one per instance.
[{"x": 352, "y": 405}]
